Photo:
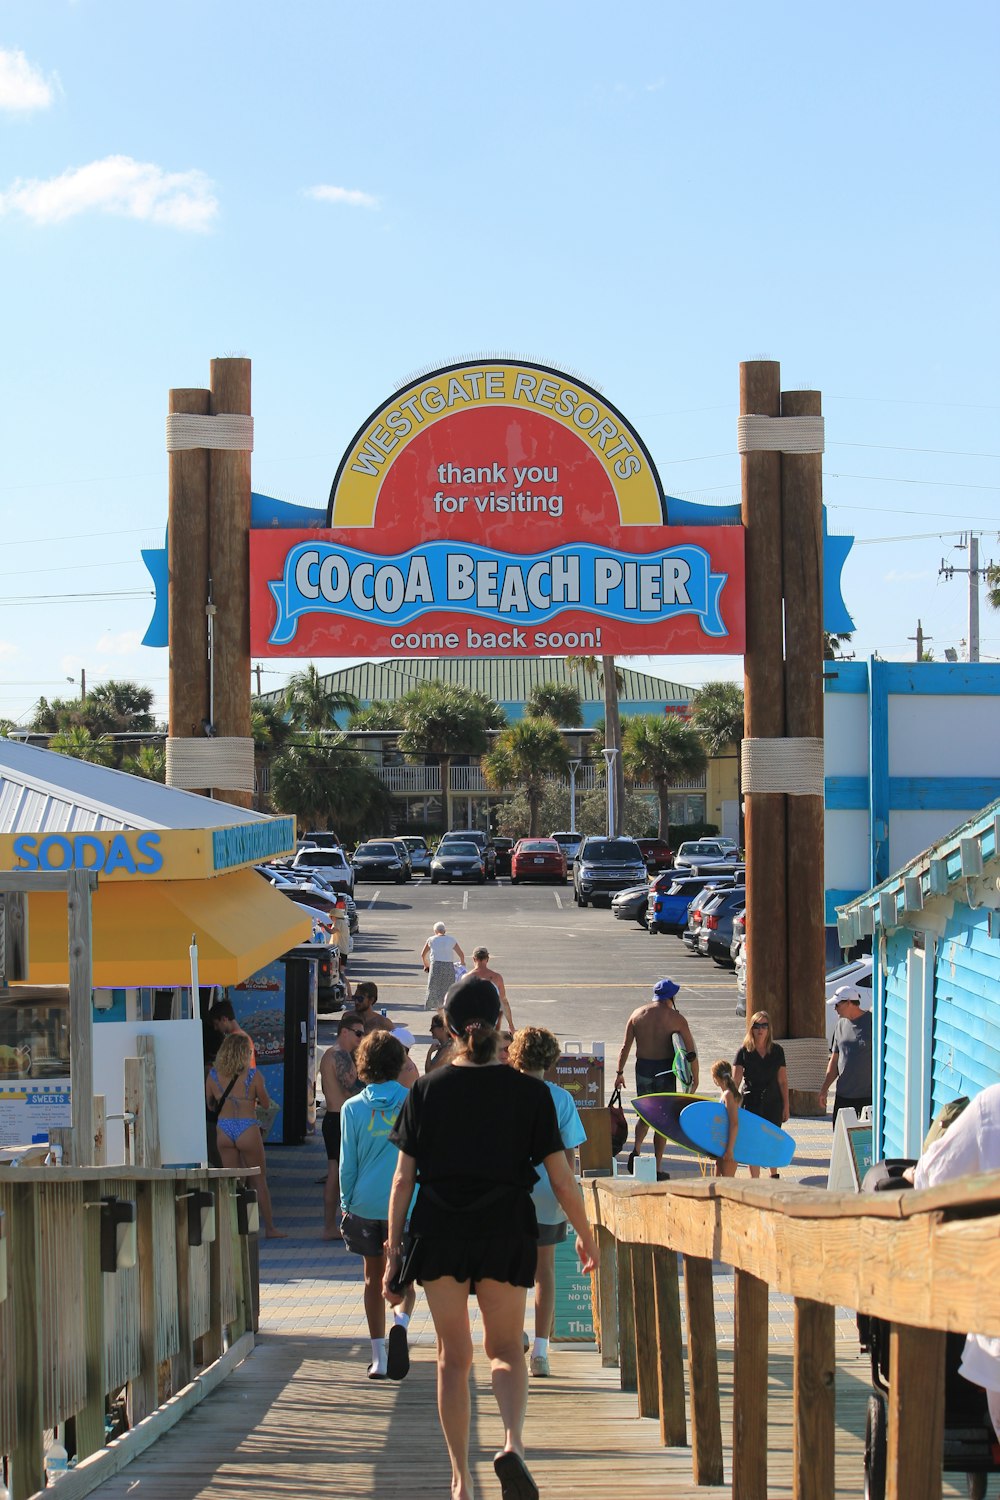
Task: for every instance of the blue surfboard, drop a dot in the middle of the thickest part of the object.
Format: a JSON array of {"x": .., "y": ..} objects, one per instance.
[
  {"x": 758, "y": 1142},
  {"x": 662, "y": 1113}
]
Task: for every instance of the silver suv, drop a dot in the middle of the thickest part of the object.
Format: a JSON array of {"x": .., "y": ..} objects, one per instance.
[{"x": 604, "y": 866}]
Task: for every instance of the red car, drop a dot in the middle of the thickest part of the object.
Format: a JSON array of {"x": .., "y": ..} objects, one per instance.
[
  {"x": 537, "y": 859},
  {"x": 657, "y": 854}
]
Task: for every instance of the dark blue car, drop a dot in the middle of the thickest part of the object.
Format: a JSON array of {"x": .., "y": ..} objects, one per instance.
[{"x": 668, "y": 907}]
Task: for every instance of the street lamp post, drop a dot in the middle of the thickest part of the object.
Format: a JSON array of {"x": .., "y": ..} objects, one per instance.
[
  {"x": 609, "y": 754},
  {"x": 573, "y": 766}
]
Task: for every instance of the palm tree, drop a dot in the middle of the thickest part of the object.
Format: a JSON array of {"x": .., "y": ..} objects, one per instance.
[
  {"x": 443, "y": 720},
  {"x": 612, "y": 681},
  {"x": 78, "y": 742},
  {"x": 378, "y": 715},
  {"x": 6, "y": 727},
  {"x": 993, "y": 585},
  {"x": 327, "y": 784},
  {"x": 526, "y": 755},
  {"x": 832, "y": 642},
  {"x": 313, "y": 705},
  {"x": 61, "y": 713},
  {"x": 149, "y": 761},
  {"x": 557, "y": 701},
  {"x": 717, "y": 715},
  {"x": 119, "y": 707},
  {"x": 663, "y": 751}
]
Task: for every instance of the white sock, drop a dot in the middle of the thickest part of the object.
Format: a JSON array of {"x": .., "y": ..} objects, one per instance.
[
  {"x": 540, "y": 1347},
  {"x": 402, "y": 1320},
  {"x": 378, "y": 1354}
]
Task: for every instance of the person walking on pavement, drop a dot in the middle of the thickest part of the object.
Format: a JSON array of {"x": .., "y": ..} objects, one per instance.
[
  {"x": 338, "y": 1079},
  {"x": 442, "y": 1045},
  {"x": 472, "y": 1134},
  {"x": 850, "y": 1053},
  {"x": 761, "y": 1077},
  {"x": 652, "y": 1028},
  {"x": 367, "y": 1163},
  {"x": 481, "y": 968},
  {"x": 439, "y": 956}
]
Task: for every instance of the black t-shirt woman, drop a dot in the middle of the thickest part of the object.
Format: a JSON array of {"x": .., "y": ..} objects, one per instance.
[
  {"x": 470, "y": 1135},
  {"x": 759, "y": 1072}
]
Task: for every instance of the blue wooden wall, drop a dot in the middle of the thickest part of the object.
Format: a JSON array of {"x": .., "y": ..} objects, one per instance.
[{"x": 893, "y": 1022}]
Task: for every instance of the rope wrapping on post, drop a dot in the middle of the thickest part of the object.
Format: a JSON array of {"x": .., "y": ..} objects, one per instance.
[
  {"x": 223, "y": 762},
  {"x": 793, "y": 767},
  {"x": 756, "y": 434},
  {"x": 231, "y": 432}
]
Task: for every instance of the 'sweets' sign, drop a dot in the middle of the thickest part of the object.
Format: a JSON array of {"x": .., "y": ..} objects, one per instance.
[{"x": 496, "y": 507}]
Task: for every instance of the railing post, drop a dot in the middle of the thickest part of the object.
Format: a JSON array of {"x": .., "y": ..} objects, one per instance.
[
  {"x": 90, "y": 1420},
  {"x": 669, "y": 1348},
  {"x": 646, "y": 1353},
  {"x": 144, "y": 1390},
  {"x": 607, "y": 1301},
  {"x": 813, "y": 1390},
  {"x": 211, "y": 1343},
  {"x": 626, "y": 1321},
  {"x": 182, "y": 1365},
  {"x": 703, "y": 1363},
  {"x": 26, "y": 1472},
  {"x": 916, "y": 1411},
  {"x": 750, "y": 1389}
]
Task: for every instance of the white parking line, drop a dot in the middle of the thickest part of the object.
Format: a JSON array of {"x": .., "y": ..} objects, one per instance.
[
  {"x": 465, "y": 901},
  {"x": 558, "y": 900},
  {"x": 371, "y": 904}
]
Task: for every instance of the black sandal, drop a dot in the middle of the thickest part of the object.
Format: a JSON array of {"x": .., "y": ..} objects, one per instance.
[{"x": 515, "y": 1481}]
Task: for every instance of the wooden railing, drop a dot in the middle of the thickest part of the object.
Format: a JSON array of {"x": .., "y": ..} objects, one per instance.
[
  {"x": 927, "y": 1263},
  {"x": 76, "y": 1339}
]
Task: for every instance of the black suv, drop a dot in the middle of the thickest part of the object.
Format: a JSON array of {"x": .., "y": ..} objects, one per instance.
[
  {"x": 480, "y": 839},
  {"x": 603, "y": 866}
]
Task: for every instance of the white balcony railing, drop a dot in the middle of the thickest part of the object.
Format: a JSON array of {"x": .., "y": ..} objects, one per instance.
[{"x": 421, "y": 779}]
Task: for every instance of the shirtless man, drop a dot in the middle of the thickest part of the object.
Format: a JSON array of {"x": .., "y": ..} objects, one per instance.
[
  {"x": 365, "y": 1001},
  {"x": 481, "y": 968},
  {"x": 339, "y": 1081},
  {"x": 652, "y": 1027}
]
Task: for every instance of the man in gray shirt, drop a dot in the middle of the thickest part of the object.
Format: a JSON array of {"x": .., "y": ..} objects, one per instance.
[{"x": 851, "y": 1053}]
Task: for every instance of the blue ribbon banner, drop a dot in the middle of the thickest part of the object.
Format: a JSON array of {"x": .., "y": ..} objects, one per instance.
[{"x": 321, "y": 577}]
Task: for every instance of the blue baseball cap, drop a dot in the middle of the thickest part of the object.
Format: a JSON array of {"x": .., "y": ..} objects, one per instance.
[{"x": 665, "y": 989}]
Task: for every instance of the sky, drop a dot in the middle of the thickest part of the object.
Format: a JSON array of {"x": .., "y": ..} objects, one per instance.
[{"x": 644, "y": 195}]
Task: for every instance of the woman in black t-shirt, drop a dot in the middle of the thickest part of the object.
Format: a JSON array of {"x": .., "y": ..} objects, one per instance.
[
  {"x": 759, "y": 1071},
  {"x": 470, "y": 1136}
]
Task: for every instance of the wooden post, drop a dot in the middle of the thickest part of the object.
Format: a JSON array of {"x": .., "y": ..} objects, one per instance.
[
  {"x": 100, "y": 1130},
  {"x": 80, "y": 884},
  {"x": 750, "y": 1389},
  {"x": 182, "y": 1364},
  {"x": 211, "y": 1342},
  {"x": 916, "y": 1412},
  {"x": 141, "y": 1101},
  {"x": 143, "y": 1391},
  {"x": 26, "y": 1472},
  {"x": 703, "y": 1368},
  {"x": 802, "y": 568},
  {"x": 647, "y": 1361},
  {"x": 229, "y": 563},
  {"x": 607, "y": 1294},
  {"x": 669, "y": 1348},
  {"x": 813, "y": 1396},
  {"x": 764, "y": 701},
  {"x": 90, "y": 1419},
  {"x": 629, "y": 1379},
  {"x": 187, "y": 560}
]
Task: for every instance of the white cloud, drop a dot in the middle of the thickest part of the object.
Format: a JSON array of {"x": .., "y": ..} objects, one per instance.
[
  {"x": 117, "y": 185},
  {"x": 121, "y": 643},
  {"x": 352, "y": 197},
  {"x": 7, "y": 650},
  {"x": 895, "y": 575},
  {"x": 22, "y": 87}
]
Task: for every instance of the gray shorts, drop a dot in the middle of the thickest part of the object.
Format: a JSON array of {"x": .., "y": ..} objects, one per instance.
[
  {"x": 552, "y": 1234},
  {"x": 365, "y": 1237}
]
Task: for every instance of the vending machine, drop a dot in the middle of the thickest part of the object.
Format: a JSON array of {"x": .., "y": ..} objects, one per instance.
[{"x": 276, "y": 1007}]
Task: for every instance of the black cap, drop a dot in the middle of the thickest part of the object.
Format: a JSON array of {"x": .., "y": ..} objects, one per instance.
[{"x": 471, "y": 999}]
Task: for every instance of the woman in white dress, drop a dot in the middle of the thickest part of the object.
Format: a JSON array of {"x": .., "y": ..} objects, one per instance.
[{"x": 439, "y": 956}]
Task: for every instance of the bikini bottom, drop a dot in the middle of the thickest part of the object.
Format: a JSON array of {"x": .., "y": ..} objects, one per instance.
[{"x": 234, "y": 1128}]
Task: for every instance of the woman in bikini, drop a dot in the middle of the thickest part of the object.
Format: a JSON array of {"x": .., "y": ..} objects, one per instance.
[{"x": 239, "y": 1085}]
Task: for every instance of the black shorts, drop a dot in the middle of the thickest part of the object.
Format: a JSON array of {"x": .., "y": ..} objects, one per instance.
[
  {"x": 331, "y": 1133},
  {"x": 655, "y": 1078}
]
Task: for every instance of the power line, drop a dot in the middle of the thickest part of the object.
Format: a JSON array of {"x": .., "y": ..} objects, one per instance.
[
  {"x": 941, "y": 484},
  {"x": 75, "y": 598},
  {"x": 78, "y": 536}
]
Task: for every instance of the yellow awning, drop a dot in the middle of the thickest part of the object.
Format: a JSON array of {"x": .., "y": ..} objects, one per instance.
[{"x": 142, "y": 932}]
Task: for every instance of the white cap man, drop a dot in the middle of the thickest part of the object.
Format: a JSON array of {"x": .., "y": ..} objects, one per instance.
[{"x": 850, "y": 1054}]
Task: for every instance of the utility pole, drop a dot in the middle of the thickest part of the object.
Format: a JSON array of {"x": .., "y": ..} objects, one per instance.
[
  {"x": 975, "y": 572},
  {"x": 257, "y": 674},
  {"x": 920, "y": 638}
]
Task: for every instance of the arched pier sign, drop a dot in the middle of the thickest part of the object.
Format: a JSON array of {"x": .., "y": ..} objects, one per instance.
[{"x": 496, "y": 507}]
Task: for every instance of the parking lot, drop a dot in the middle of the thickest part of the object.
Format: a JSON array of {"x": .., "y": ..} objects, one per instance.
[{"x": 578, "y": 972}]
